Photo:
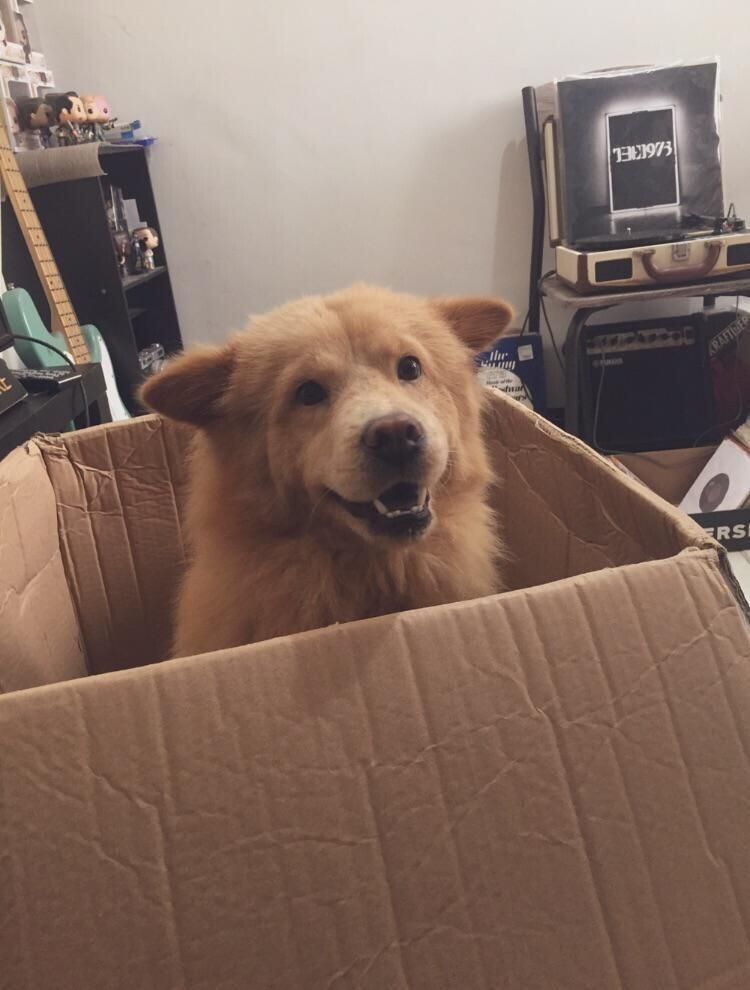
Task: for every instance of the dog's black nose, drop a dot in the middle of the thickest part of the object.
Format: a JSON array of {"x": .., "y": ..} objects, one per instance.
[{"x": 395, "y": 439}]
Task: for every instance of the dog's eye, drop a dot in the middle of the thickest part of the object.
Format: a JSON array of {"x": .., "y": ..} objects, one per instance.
[
  {"x": 409, "y": 368},
  {"x": 311, "y": 393}
]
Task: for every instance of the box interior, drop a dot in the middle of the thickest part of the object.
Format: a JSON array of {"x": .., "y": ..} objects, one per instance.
[{"x": 119, "y": 493}]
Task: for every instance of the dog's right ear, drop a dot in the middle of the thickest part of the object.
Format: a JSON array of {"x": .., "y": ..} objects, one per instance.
[
  {"x": 478, "y": 322},
  {"x": 191, "y": 387}
]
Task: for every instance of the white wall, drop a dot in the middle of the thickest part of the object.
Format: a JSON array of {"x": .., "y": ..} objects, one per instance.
[{"x": 305, "y": 144}]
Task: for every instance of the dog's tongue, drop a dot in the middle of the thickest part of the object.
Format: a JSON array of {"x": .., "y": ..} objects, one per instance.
[{"x": 402, "y": 496}]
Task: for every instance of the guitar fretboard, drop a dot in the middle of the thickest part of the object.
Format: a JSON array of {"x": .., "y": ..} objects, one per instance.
[{"x": 63, "y": 315}]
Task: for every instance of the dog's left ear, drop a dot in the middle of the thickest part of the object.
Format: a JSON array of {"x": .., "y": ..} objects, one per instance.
[
  {"x": 191, "y": 387},
  {"x": 477, "y": 321}
]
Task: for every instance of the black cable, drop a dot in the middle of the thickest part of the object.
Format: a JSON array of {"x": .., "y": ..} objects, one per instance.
[
  {"x": 595, "y": 425},
  {"x": 540, "y": 290},
  {"x": 64, "y": 356},
  {"x": 551, "y": 335},
  {"x": 524, "y": 327}
]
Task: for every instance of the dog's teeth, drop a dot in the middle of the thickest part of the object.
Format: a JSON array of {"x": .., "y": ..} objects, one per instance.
[{"x": 415, "y": 509}]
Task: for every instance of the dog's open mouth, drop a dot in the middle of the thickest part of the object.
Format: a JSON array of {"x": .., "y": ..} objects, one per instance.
[{"x": 401, "y": 511}]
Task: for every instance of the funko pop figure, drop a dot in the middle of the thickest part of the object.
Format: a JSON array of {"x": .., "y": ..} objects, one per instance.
[
  {"x": 145, "y": 240},
  {"x": 37, "y": 116},
  {"x": 98, "y": 117},
  {"x": 70, "y": 115}
]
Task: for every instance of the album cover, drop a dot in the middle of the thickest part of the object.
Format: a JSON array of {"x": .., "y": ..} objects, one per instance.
[
  {"x": 639, "y": 151},
  {"x": 515, "y": 365},
  {"x": 642, "y": 160},
  {"x": 724, "y": 483}
]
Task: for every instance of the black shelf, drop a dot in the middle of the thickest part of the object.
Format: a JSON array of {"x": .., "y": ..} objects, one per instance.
[
  {"x": 107, "y": 148},
  {"x": 131, "y": 313},
  {"x": 131, "y": 281}
]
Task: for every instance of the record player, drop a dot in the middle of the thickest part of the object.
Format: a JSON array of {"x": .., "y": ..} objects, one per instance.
[
  {"x": 633, "y": 179},
  {"x": 696, "y": 257}
]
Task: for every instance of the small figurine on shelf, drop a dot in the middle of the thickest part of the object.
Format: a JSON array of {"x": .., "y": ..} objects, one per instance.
[
  {"x": 70, "y": 115},
  {"x": 36, "y": 115},
  {"x": 122, "y": 250},
  {"x": 145, "y": 241},
  {"x": 3, "y": 35},
  {"x": 98, "y": 117},
  {"x": 135, "y": 264}
]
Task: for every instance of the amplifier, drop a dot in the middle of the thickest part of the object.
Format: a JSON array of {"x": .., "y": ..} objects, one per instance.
[
  {"x": 11, "y": 390},
  {"x": 646, "y": 385}
]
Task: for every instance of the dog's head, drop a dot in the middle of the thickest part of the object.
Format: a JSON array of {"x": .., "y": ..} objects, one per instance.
[{"x": 359, "y": 409}]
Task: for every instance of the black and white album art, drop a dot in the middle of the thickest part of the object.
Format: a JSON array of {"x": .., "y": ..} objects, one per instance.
[
  {"x": 642, "y": 160},
  {"x": 639, "y": 151}
]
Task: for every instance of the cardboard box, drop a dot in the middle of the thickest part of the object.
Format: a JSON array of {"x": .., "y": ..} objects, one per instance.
[
  {"x": 724, "y": 483},
  {"x": 670, "y": 473},
  {"x": 544, "y": 789}
]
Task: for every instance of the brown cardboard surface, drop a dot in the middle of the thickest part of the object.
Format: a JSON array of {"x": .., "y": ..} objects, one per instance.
[
  {"x": 39, "y": 637},
  {"x": 565, "y": 510},
  {"x": 120, "y": 491},
  {"x": 544, "y": 790},
  {"x": 669, "y": 473}
]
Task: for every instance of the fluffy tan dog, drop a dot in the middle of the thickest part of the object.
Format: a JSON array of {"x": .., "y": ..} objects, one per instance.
[{"x": 339, "y": 470}]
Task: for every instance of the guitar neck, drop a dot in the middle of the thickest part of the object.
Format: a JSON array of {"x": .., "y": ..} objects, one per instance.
[{"x": 63, "y": 316}]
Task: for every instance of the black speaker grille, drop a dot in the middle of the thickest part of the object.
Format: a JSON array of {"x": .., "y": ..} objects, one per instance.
[
  {"x": 614, "y": 271},
  {"x": 738, "y": 254}
]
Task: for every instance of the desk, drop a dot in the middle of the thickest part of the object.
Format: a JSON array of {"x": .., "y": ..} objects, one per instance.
[{"x": 51, "y": 412}]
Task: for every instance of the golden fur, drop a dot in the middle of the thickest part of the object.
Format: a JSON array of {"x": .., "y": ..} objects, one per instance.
[{"x": 274, "y": 552}]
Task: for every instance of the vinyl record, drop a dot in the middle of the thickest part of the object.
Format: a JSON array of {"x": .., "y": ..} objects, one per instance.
[{"x": 714, "y": 493}]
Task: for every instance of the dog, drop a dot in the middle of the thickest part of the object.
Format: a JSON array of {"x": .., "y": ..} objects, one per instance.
[{"x": 339, "y": 470}]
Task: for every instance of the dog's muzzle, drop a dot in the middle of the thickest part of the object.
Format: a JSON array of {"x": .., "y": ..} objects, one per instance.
[{"x": 401, "y": 511}]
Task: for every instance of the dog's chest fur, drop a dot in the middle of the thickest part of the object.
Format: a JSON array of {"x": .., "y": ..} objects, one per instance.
[{"x": 259, "y": 588}]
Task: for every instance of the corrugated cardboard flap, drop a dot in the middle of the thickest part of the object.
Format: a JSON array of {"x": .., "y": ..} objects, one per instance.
[
  {"x": 39, "y": 636},
  {"x": 565, "y": 510},
  {"x": 120, "y": 492},
  {"x": 548, "y": 789}
]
